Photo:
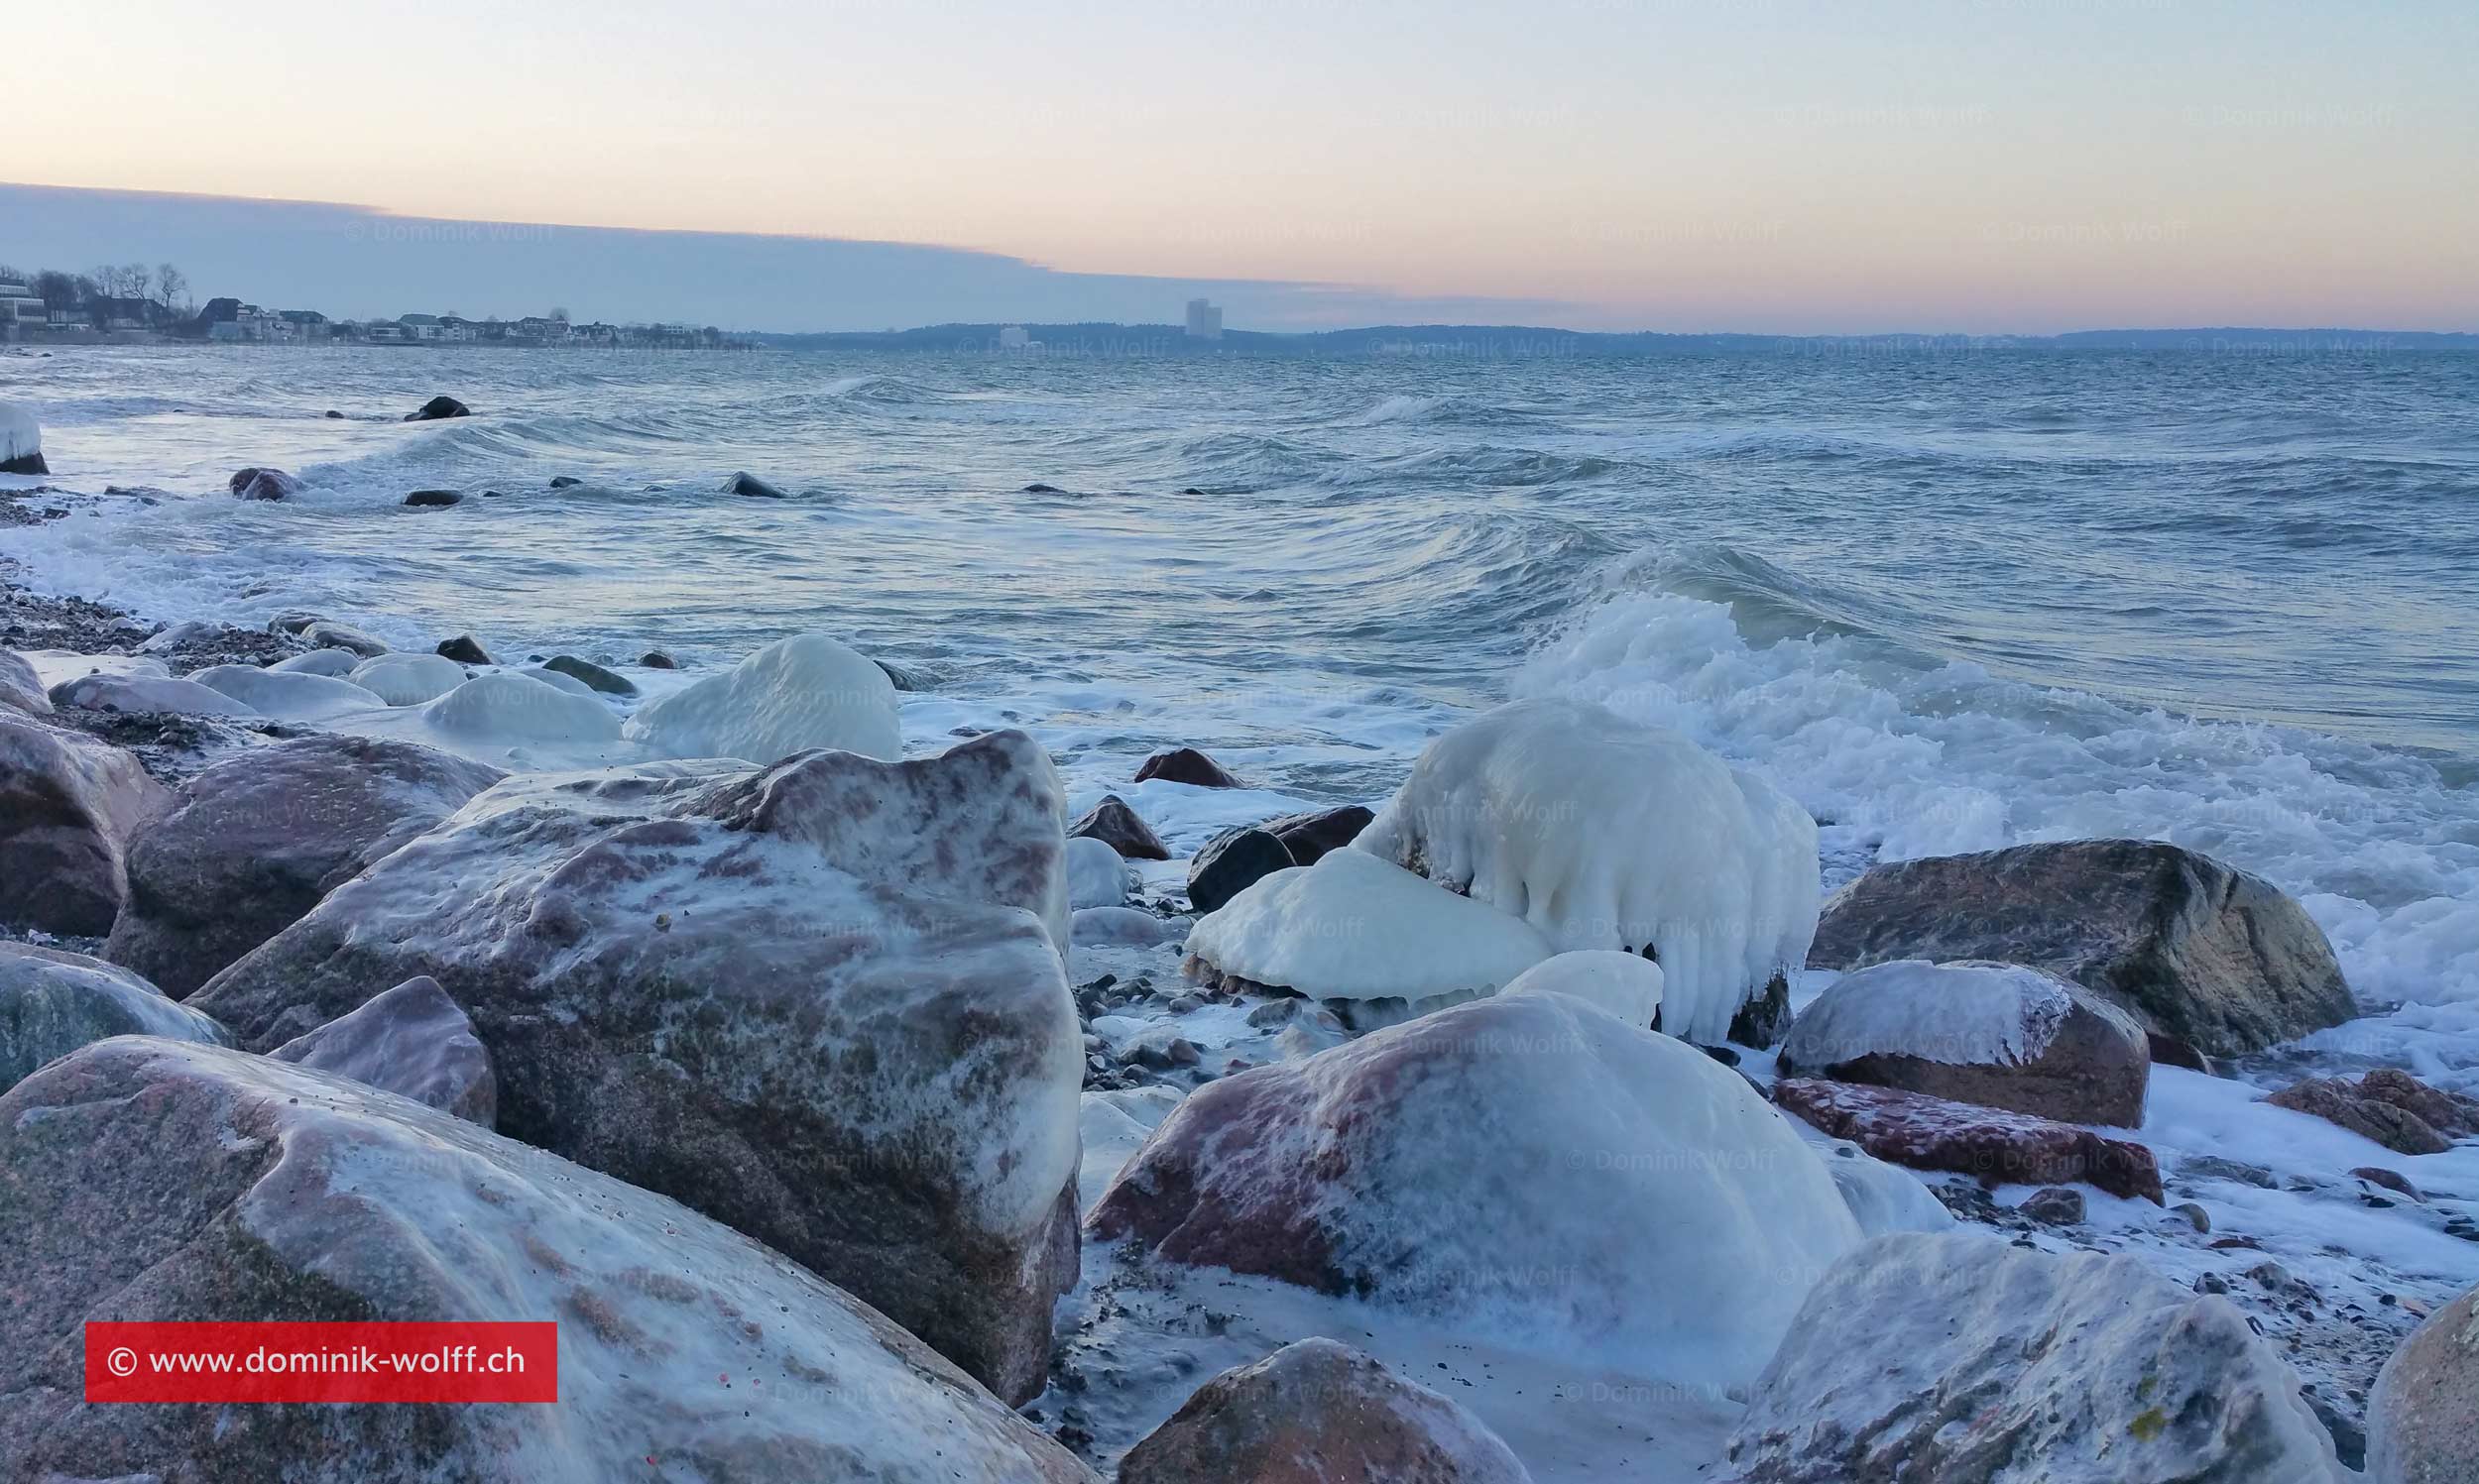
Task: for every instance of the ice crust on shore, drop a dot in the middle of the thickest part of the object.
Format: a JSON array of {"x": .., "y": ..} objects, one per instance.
[{"x": 806, "y": 691}]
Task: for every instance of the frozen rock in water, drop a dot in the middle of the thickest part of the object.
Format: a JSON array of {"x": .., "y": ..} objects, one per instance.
[
  {"x": 2423, "y": 1418},
  {"x": 1527, "y": 1166},
  {"x": 1995, "y": 1145},
  {"x": 409, "y": 679},
  {"x": 335, "y": 663},
  {"x": 1317, "y": 1411},
  {"x": 1129, "y": 927},
  {"x": 559, "y": 679},
  {"x": 591, "y": 675},
  {"x": 822, "y": 1002},
  {"x": 253, "y": 843},
  {"x": 2388, "y": 1106},
  {"x": 21, "y": 441},
  {"x": 1628, "y": 985},
  {"x": 147, "y": 693},
  {"x": 1096, "y": 875},
  {"x": 1186, "y": 765},
  {"x": 806, "y": 691},
  {"x": 157, "y": 1181},
  {"x": 54, "y": 1002},
  {"x": 438, "y": 407},
  {"x": 503, "y": 709},
  {"x": 263, "y": 484},
  {"x": 68, "y": 805},
  {"x": 325, "y": 633},
  {"x": 1605, "y": 834},
  {"x": 465, "y": 649},
  {"x": 1882, "y": 1197},
  {"x": 291, "y": 695},
  {"x": 1959, "y": 1357},
  {"x": 411, "y": 1041},
  {"x": 1121, "y": 829},
  {"x": 20, "y": 687},
  {"x": 1230, "y": 864},
  {"x": 2197, "y": 950},
  {"x": 1352, "y": 927},
  {"x": 2001, "y": 1035},
  {"x": 1310, "y": 835}
]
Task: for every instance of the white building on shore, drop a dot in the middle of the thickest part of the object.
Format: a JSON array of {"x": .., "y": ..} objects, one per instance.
[{"x": 1205, "y": 320}]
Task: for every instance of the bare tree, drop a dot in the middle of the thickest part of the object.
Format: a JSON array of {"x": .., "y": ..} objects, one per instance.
[
  {"x": 60, "y": 291},
  {"x": 171, "y": 284},
  {"x": 139, "y": 277}
]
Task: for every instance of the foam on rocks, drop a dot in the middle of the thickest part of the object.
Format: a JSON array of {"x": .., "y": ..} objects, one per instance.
[
  {"x": 407, "y": 679},
  {"x": 21, "y": 441},
  {"x": 164, "y": 1182},
  {"x": 54, "y": 1002},
  {"x": 1526, "y": 1167},
  {"x": 1605, "y": 834},
  {"x": 1353, "y": 928},
  {"x": 1097, "y": 874},
  {"x": 1988, "y": 1363},
  {"x": 288, "y": 694},
  {"x": 807, "y": 691}
]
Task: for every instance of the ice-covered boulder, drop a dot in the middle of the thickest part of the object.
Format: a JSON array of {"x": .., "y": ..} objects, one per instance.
[
  {"x": 1962, "y": 1357},
  {"x": 824, "y": 1002},
  {"x": 2423, "y": 1418},
  {"x": 20, "y": 687},
  {"x": 1628, "y": 985},
  {"x": 1125, "y": 926},
  {"x": 1605, "y": 834},
  {"x": 1121, "y": 828},
  {"x": 1317, "y": 1411},
  {"x": 154, "y": 1180},
  {"x": 2001, "y": 1035},
  {"x": 502, "y": 710},
  {"x": 1995, "y": 1145},
  {"x": 290, "y": 695},
  {"x": 327, "y": 633},
  {"x": 407, "y": 679},
  {"x": 335, "y": 663},
  {"x": 253, "y": 842},
  {"x": 54, "y": 1002},
  {"x": 1526, "y": 1165},
  {"x": 1097, "y": 874},
  {"x": 411, "y": 1041},
  {"x": 68, "y": 805},
  {"x": 806, "y": 691},
  {"x": 1882, "y": 1197},
  {"x": 2197, "y": 950},
  {"x": 147, "y": 693},
  {"x": 1371, "y": 939},
  {"x": 21, "y": 441}
]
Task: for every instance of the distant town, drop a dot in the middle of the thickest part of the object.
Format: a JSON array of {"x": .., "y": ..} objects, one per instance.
[{"x": 136, "y": 304}]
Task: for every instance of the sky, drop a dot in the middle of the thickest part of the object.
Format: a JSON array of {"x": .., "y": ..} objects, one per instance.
[{"x": 1768, "y": 166}]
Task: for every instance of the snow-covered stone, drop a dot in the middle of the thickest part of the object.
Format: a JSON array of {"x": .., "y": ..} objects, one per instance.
[
  {"x": 411, "y": 1041},
  {"x": 20, "y": 687},
  {"x": 502, "y": 710},
  {"x": 68, "y": 805},
  {"x": 1317, "y": 1411},
  {"x": 21, "y": 441},
  {"x": 1628, "y": 985},
  {"x": 2197, "y": 950},
  {"x": 1525, "y": 1166},
  {"x": 291, "y": 695},
  {"x": 252, "y": 843},
  {"x": 807, "y": 691},
  {"x": 155, "y": 1181},
  {"x": 1356, "y": 928},
  {"x": 407, "y": 679},
  {"x": 1097, "y": 874},
  {"x": 148, "y": 693},
  {"x": 54, "y": 1002},
  {"x": 2001, "y": 1035},
  {"x": 1605, "y": 834},
  {"x": 1882, "y": 1197},
  {"x": 1960, "y": 1357},
  {"x": 1995, "y": 1145},
  {"x": 824, "y": 1002},
  {"x": 332, "y": 662},
  {"x": 1126, "y": 927},
  {"x": 2423, "y": 1418},
  {"x": 327, "y": 633}
]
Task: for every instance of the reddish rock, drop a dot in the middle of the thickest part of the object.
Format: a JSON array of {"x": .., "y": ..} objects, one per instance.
[
  {"x": 68, "y": 805},
  {"x": 2388, "y": 1106},
  {"x": 263, "y": 484},
  {"x": 1996, "y": 1146},
  {"x": 1186, "y": 765},
  {"x": 1121, "y": 829}
]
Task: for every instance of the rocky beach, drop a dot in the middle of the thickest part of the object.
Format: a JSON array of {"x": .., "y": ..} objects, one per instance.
[{"x": 1641, "y": 1037}]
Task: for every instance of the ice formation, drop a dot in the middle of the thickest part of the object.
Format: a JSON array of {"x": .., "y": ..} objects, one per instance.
[
  {"x": 335, "y": 663},
  {"x": 1971, "y": 1014},
  {"x": 1354, "y": 927},
  {"x": 20, "y": 436},
  {"x": 503, "y": 709},
  {"x": 806, "y": 691},
  {"x": 292, "y": 695},
  {"x": 1605, "y": 834},
  {"x": 1097, "y": 876},
  {"x": 409, "y": 679},
  {"x": 1628, "y": 985}
]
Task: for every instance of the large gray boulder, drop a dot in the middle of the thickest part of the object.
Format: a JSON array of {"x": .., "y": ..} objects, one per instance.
[
  {"x": 20, "y": 686},
  {"x": 1962, "y": 1359},
  {"x": 253, "y": 843},
  {"x": 68, "y": 805},
  {"x": 824, "y": 1002},
  {"x": 2197, "y": 950},
  {"x": 411, "y": 1041},
  {"x": 147, "y": 1179},
  {"x": 1317, "y": 1411},
  {"x": 54, "y": 1002},
  {"x": 2423, "y": 1418}
]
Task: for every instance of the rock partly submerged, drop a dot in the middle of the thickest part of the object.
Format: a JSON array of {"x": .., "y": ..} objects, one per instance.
[
  {"x": 155, "y": 1180},
  {"x": 824, "y": 1002}
]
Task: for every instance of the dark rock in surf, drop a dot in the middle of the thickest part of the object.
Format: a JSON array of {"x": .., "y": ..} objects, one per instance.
[
  {"x": 902, "y": 677},
  {"x": 263, "y": 484},
  {"x": 566, "y": 481},
  {"x": 433, "y": 499},
  {"x": 1121, "y": 829},
  {"x": 438, "y": 407},
  {"x": 1186, "y": 765},
  {"x": 590, "y": 674},
  {"x": 333, "y": 412},
  {"x": 656, "y": 659},
  {"x": 746, "y": 483},
  {"x": 1311, "y": 835},
  {"x": 465, "y": 650},
  {"x": 1038, "y": 489},
  {"x": 1230, "y": 864}
]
